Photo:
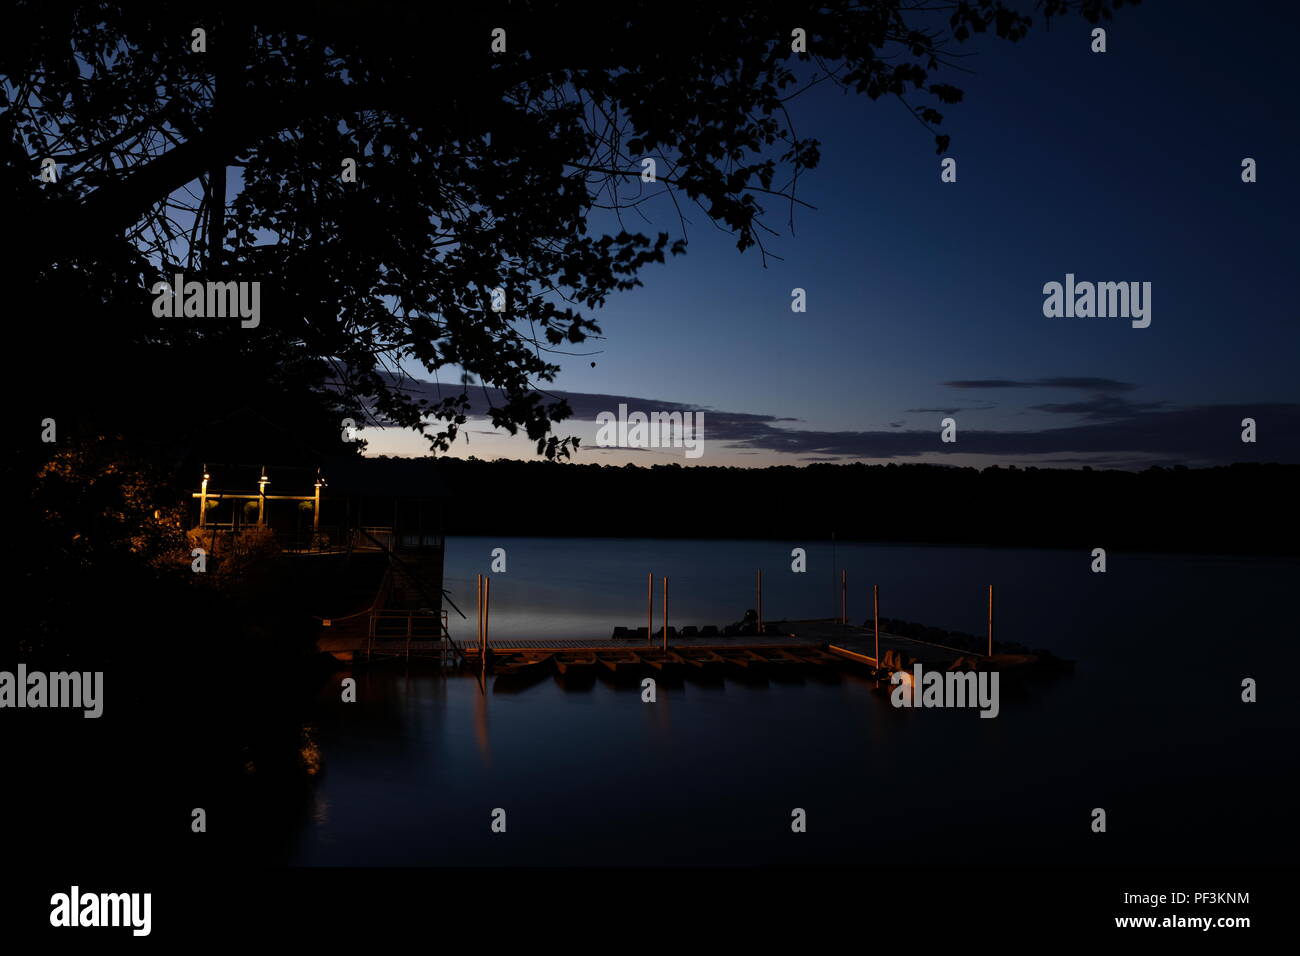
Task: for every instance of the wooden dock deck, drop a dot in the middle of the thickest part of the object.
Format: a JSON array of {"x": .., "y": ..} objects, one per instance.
[
  {"x": 847, "y": 643},
  {"x": 406, "y": 631},
  {"x": 859, "y": 644}
]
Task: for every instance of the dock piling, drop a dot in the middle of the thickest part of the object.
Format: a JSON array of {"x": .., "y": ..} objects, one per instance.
[
  {"x": 990, "y": 620},
  {"x": 875, "y": 615},
  {"x": 844, "y": 596},
  {"x": 665, "y": 616}
]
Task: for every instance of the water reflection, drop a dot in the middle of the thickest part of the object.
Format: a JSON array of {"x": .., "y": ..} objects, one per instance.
[
  {"x": 481, "y": 732},
  {"x": 309, "y": 752},
  {"x": 708, "y": 774},
  {"x": 319, "y": 810}
]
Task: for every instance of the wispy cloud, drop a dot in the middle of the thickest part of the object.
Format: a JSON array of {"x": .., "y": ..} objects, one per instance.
[
  {"x": 1100, "y": 408},
  {"x": 1115, "y": 432},
  {"x": 1083, "y": 384}
]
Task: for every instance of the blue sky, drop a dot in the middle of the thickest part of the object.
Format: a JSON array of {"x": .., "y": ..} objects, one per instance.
[{"x": 1122, "y": 166}]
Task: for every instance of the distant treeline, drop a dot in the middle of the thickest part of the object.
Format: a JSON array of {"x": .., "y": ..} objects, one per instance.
[{"x": 1236, "y": 509}]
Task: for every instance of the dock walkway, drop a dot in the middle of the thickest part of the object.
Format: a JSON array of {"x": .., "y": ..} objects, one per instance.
[{"x": 856, "y": 644}]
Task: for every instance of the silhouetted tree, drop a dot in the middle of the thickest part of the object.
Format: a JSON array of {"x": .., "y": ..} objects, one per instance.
[{"x": 476, "y": 169}]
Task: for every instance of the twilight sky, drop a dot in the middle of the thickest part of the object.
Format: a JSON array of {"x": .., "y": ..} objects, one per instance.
[{"x": 925, "y": 298}]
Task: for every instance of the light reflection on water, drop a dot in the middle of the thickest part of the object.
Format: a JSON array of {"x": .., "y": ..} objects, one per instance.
[{"x": 1150, "y": 727}]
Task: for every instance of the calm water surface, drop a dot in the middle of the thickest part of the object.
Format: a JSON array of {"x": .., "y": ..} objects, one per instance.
[{"x": 1151, "y": 727}]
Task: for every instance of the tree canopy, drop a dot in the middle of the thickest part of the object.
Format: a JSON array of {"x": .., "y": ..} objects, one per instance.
[{"x": 209, "y": 140}]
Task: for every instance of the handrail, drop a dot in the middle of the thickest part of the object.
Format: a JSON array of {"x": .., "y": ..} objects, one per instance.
[
  {"x": 376, "y": 611},
  {"x": 330, "y": 539},
  {"x": 411, "y": 616},
  {"x": 385, "y": 586},
  {"x": 411, "y": 574}
]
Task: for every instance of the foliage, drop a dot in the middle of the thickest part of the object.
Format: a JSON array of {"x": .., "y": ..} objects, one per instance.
[
  {"x": 477, "y": 170},
  {"x": 100, "y": 505}
]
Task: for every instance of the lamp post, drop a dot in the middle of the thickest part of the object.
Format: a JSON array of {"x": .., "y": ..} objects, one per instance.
[
  {"x": 203, "y": 498},
  {"x": 315, "y": 512},
  {"x": 261, "y": 497}
]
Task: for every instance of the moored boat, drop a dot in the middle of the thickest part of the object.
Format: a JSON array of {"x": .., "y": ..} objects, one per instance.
[
  {"x": 524, "y": 664},
  {"x": 668, "y": 665},
  {"x": 685, "y": 662},
  {"x": 575, "y": 663},
  {"x": 736, "y": 660},
  {"x": 620, "y": 663},
  {"x": 705, "y": 660}
]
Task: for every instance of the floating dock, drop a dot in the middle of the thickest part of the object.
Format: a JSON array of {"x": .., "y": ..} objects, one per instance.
[{"x": 787, "y": 646}]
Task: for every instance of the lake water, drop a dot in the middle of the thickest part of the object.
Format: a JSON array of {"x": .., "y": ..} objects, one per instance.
[{"x": 1151, "y": 727}]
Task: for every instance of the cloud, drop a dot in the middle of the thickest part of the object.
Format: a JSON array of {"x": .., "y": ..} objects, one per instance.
[
  {"x": 719, "y": 424},
  {"x": 1114, "y": 430},
  {"x": 1083, "y": 384},
  {"x": 988, "y": 383},
  {"x": 1104, "y": 404},
  {"x": 1100, "y": 408},
  {"x": 1208, "y": 434}
]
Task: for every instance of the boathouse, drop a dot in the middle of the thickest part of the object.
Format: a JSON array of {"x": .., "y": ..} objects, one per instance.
[{"x": 301, "y": 501}]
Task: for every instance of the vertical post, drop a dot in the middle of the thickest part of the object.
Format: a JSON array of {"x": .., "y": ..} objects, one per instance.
[
  {"x": 844, "y": 597},
  {"x": 990, "y": 620},
  {"x": 203, "y": 499},
  {"x": 759, "y": 587},
  {"x": 834, "y": 565},
  {"x": 482, "y": 623},
  {"x": 875, "y": 614},
  {"x": 665, "y": 616},
  {"x": 261, "y": 498},
  {"x": 478, "y": 610},
  {"x": 650, "y": 608},
  {"x": 315, "y": 511},
  {"x": 487, "y": 615}
]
